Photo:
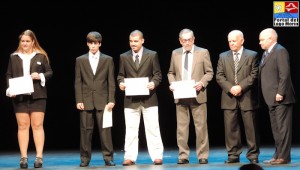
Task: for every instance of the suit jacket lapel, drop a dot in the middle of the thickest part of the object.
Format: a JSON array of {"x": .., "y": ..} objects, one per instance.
[
  {"x": 230, "y": 59},
  {"x": 242, "y": 59},
  {"x": 144, "y": 57},
  {"x": 100, "y": 63},
  {"x": 270, "y": 53},
  {"x": 178, "y": 59},
  {"x": 266, "y": 58},
  {"x": 131, "y": 61},
  {"x": 33, "y": 60},
  {"x": 20, "y": 63},
  {"x": 86, "y": 63},
  {"x": 142, "y": 61},
  {"x": 195, "y": 58}
]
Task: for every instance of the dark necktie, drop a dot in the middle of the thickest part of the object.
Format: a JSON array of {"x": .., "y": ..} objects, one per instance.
[
  {"x": 137, "y": 61},
  {"x": 186, "y": 66},
  {"x": 263, "y": 59},
  {"x": 236, "y": 64}
]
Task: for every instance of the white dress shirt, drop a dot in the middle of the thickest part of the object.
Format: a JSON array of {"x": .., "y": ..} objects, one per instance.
[{"x": 94, "y": 60}]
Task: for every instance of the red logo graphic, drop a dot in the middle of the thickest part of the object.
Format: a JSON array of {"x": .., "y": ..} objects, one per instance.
[{"x": 291, "y": 7}]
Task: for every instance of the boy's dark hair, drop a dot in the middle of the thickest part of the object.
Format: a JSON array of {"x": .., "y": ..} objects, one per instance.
[{"x": 94, "y": 37}]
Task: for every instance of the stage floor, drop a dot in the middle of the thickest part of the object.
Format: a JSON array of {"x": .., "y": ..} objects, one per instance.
[{"x": 69, "y": 159}]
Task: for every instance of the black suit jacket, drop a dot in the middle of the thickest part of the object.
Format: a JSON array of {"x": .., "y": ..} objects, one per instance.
[
  {"x": 247, "y": 77},
  {"x": 275, "y": 77},
  {"x": 38, "y": 64},
  {"x": 94, "y": 91},
  {"x": 149, "y": 67}
]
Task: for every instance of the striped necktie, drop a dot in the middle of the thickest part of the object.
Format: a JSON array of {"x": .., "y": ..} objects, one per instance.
[
  {"x": 236, "y": 64},
  {"x": 265, "y": 55}
]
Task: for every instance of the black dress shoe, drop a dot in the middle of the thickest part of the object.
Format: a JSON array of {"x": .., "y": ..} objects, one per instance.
[
  {"x": 84, "y": 164},
  {"x": 253, "y": 161},
  {"x": 231, "y": 161},
  {"x": 183, "y": 161},
  {"x": 203, "y": 161},
  {"x": 110, "y": 163}
]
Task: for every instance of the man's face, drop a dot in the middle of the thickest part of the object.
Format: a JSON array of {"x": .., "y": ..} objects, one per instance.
[
  {"x": 187, "y": 41},
  {"x": 136, "y": 42},
  {"x": 93, "y": 46}
]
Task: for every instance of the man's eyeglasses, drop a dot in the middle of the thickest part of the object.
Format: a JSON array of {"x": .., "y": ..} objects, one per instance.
[{"x": 186, "y": 40}]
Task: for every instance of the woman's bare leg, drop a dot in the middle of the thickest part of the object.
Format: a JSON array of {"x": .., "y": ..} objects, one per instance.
[
  {"x": 23, "y": 121},
  {"x": 37, "y": 125}
]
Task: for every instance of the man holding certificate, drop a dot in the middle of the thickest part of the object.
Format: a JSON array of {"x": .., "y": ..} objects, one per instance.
[
  {"x": 95, "y": 98},
  {"x": 190, "y": 68},
  {"x": 139, "y": 75}
]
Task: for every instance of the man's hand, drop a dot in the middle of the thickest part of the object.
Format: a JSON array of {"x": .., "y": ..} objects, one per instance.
[
  {"x": 236, "y": 90},
  {"x": 122, "y": 86}
]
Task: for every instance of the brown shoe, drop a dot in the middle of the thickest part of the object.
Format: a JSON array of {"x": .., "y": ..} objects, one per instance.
[
  {"x": 38, "y": 163},
  {"x": 158, "y": 162},
  {"x": 279, "y": 161},
  {"x": 128, "y": 162},
  {"x": 24, "y": 163},
  {"x": 269, "y": 161}
]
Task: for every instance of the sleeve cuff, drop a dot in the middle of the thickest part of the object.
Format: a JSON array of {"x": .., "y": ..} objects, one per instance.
[{"x": 43, "y": 80}]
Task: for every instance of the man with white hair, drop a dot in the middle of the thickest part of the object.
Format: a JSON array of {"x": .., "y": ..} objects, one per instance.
[{"x": 278, "y": 93}]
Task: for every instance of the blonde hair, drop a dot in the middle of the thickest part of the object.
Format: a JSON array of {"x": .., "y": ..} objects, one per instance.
[{"x": 36, "y": 46}]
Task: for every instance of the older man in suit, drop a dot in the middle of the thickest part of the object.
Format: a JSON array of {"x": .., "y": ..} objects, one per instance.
[
  {"x": 278, "y": 93},
  {"x": 237, "y": 73},
  {"x": 141, "y": 62},
  {"x": 191, "y": 62},
  {"x": 94, "y": 90}
]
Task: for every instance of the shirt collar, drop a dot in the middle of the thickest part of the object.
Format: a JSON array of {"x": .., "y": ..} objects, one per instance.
[
  {"x": 271, "y": 47},
  {"x": 94, "y": 56},
  {"x": 26, "y": 56},
  {"x": 191, "y": 51},
  {"x": 140, "y": 52},
  {"x": 239, "y": 52}
]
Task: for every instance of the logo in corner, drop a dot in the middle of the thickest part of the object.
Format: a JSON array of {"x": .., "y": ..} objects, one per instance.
[{"x": 286, "y": 13}]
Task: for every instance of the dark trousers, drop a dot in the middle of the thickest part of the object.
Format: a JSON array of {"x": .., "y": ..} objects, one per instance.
[
  {"x": 86, "y": 134},
  {"x": 281, "y": 124},
  {"x": 233, "y": 133}
]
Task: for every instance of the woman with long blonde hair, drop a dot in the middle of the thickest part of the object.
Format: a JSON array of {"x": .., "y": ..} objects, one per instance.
[{"x": 30, "y": 59}]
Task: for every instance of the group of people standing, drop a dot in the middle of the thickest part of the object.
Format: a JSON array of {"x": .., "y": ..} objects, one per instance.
[
  {"x": 240, "y": 73},
  {"x": 243, "y": 77}
]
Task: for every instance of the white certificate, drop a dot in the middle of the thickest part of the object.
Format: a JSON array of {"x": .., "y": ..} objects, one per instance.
[
  {"x": 107, "y": 118},
  {"x": 136, "y": 86},
  {"x": 21, "y": 85},
  {"x": 184, "y": 89}
]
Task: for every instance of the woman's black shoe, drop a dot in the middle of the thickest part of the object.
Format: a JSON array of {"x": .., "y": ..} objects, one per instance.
[
  {"x": 24, "y": 163},
  {"x": 38, "y": 163}
]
